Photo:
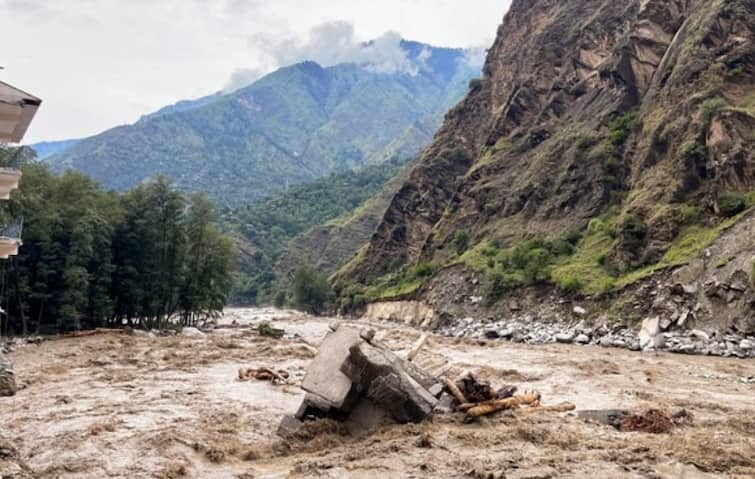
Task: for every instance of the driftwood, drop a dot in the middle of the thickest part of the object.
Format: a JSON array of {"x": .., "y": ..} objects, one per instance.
[
  {"x": 489, "y": 407},
  {"x": 455, "y": 391},
  {"x": 416, "y": 348},
  {"x": 263, "y": 374},
  {"x": 563, "y": 407}
]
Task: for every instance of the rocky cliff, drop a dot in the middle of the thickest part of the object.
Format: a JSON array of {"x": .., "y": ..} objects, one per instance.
[{"x": 606, "y": 143}]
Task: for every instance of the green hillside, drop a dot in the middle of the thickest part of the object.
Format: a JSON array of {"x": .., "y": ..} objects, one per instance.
[{"x": 297, "y": 124}]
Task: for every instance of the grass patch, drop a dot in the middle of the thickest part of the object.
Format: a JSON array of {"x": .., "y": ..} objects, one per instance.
[
  {"x": 402, "y": 283},
  {"x": 623, "y": 126}
]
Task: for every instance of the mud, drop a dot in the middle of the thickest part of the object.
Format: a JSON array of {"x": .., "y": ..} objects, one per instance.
[{"x": 172, "y": 407}]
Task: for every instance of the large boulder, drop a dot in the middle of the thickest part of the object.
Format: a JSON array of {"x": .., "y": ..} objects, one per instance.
[
  {"x": 650, "y": 336},
  {"x": 7, "y": 378}
]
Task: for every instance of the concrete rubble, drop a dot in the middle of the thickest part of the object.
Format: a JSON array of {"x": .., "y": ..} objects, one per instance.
[{"x": 355, "y": 380}]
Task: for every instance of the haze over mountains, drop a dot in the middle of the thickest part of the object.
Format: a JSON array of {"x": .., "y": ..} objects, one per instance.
[{"x": 296, "y": 124}]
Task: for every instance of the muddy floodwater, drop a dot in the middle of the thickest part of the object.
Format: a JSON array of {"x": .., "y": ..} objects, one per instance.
[{"x": 137, "y": 406}]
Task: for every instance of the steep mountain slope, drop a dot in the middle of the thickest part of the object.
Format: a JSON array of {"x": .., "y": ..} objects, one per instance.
[
  {"x": 636, "y": 117},
  {"x": 319, "y": 224},
  {"x": 296, "y": 124}
]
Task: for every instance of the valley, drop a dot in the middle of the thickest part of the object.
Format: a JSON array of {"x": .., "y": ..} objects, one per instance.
[{"x": 146, "y": 406}]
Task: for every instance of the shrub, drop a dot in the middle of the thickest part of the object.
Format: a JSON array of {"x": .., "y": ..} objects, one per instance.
[
  {"x": 461, "y": 242},
  {"x": 686, "y": 215},
  {"x": 423, "y": 270},
  {"x": 633, "y": 232},
  {"x": 693, "y": 152},
  {"x": 730, "y": 204},
  {"x": 622, "y": 127},
  {"x": 570, "y": 284},
  {"x": 312, "y": 292},
  {"x": 496, "y": 287},
  {"x": 596, "y": 225},
  {"x": 709, "y": 108}
]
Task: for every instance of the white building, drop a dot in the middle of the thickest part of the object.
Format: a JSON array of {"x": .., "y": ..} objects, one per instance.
[{"x": 17, "y": 109}]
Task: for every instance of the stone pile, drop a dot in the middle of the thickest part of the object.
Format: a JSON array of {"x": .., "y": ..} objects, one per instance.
[
  {"x": 653, "y": 334},
  {"x": 355, "y": 380}
]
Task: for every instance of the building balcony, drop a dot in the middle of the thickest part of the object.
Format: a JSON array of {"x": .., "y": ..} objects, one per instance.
[
  {"x": 17, "y": 109},
  {"x": 10, "y": 239},
  {"x": 9, "y": 179}
]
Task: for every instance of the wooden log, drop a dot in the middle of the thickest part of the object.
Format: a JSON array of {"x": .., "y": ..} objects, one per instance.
[
  {"x": 489, "y": 407},
  {"x": 455, "y": 391},
  {"x": 563, "y": 407},
  {"x": 417, "y": 347}
]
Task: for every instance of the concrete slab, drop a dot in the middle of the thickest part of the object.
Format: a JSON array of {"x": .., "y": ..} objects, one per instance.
[{"x": 324, "y": 378}]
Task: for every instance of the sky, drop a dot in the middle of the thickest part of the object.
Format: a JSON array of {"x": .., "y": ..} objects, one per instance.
[{"x": 101, "y": 63}]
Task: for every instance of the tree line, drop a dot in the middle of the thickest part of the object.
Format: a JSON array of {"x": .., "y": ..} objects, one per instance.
[{"x": 91, "y": 258}]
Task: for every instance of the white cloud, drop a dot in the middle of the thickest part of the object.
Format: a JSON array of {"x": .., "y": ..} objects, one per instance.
[{"x": 100, "y": 63}]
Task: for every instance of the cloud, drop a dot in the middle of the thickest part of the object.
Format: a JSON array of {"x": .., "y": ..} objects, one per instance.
[
  {"x": 475, "y": 57},
  {"x": 242, "y": 77},
  {"x": 329, "y": 44}
]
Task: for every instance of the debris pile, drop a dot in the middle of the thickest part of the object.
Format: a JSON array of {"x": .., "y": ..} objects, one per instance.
[
  {"x": 264, "y": 374},
  {"x": 355, "y": 380},
  {"x": 652, "y": 421},
  {"x": 8, "y": 385}
]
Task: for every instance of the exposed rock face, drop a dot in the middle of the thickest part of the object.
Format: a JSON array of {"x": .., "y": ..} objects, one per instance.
[
  {"x": 532, "y": 150},
  {"x": 7, "y": 378}
]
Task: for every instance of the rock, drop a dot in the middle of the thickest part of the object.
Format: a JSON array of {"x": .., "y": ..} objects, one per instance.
[
  {"x": 491, "y": 334},
  {"x": 579, "y": 310},
  {"x": 324, "y": 378},
  {"x": 192, "y": 333},
  {"x": 683, "y": 318},
  {"x": 746, "y": 344},
  {"x": 666, "y": 324},
  {"x": 606, "y": 341},
  {"x": 701, "y": 335},
  {"x": 582, "y": 339},
  {"x": 445, "y": 404},
  {"x": 507, "y": 333},
  {"x": 565, "y": 338},
  {"x": 650, "y": 334},
  {"x": 8, "y": 385},
  {"x": 11, "y": 465},
  {"x": 475, "y": 299}
]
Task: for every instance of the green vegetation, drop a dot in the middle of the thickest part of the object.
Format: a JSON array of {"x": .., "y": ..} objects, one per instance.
[
  {"x": 731, "y": 204},
  {"x": 270, "y": 224},
  {"x": 91, "y": 259},
  {"x": 461, "y": 242},
  {"x": 311, "y": 291},
  {"x": 267, "y": 330},
  {"x": 391, "y": 286},
  {"x": 623, "y": 126}
]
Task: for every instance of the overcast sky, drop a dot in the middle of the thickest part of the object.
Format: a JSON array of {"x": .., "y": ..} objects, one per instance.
[{"x": 101, "y": 63}]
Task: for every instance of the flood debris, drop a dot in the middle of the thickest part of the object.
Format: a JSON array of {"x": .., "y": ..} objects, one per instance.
[
  {"x": 652, "y": 421},
  {"x": 267, "y": 330},
  {"x": 264, "y": 374},
  {"x": 356, "y": 380}
]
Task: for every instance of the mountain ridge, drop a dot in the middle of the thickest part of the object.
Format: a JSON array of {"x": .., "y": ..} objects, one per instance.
[{"x": 296, "y": 124}]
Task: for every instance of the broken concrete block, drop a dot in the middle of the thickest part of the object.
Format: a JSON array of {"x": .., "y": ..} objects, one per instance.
[
  {"x": 289, "y": 426},
  {"x": 324, "y": 378},
  {"x": 379, "y": 376},
  {"x": 8, "y": 385}
]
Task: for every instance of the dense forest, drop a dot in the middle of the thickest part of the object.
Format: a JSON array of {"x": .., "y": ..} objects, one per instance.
[
  {"x": 267, "y": 226},
  {"x": 92, "y": 258}
]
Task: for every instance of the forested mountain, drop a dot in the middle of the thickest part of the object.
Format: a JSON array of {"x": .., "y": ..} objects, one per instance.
[
  {"x": 46, "y": 149},
  {"x": 297, "y": 124},
  {"x": 272, "y": 233},
  {"x": 92, "y": 258},
  {"x": 608, "y": 151}
]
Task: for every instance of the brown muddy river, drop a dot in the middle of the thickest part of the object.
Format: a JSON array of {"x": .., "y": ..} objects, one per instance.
[{"x": 118, "y": 406}]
